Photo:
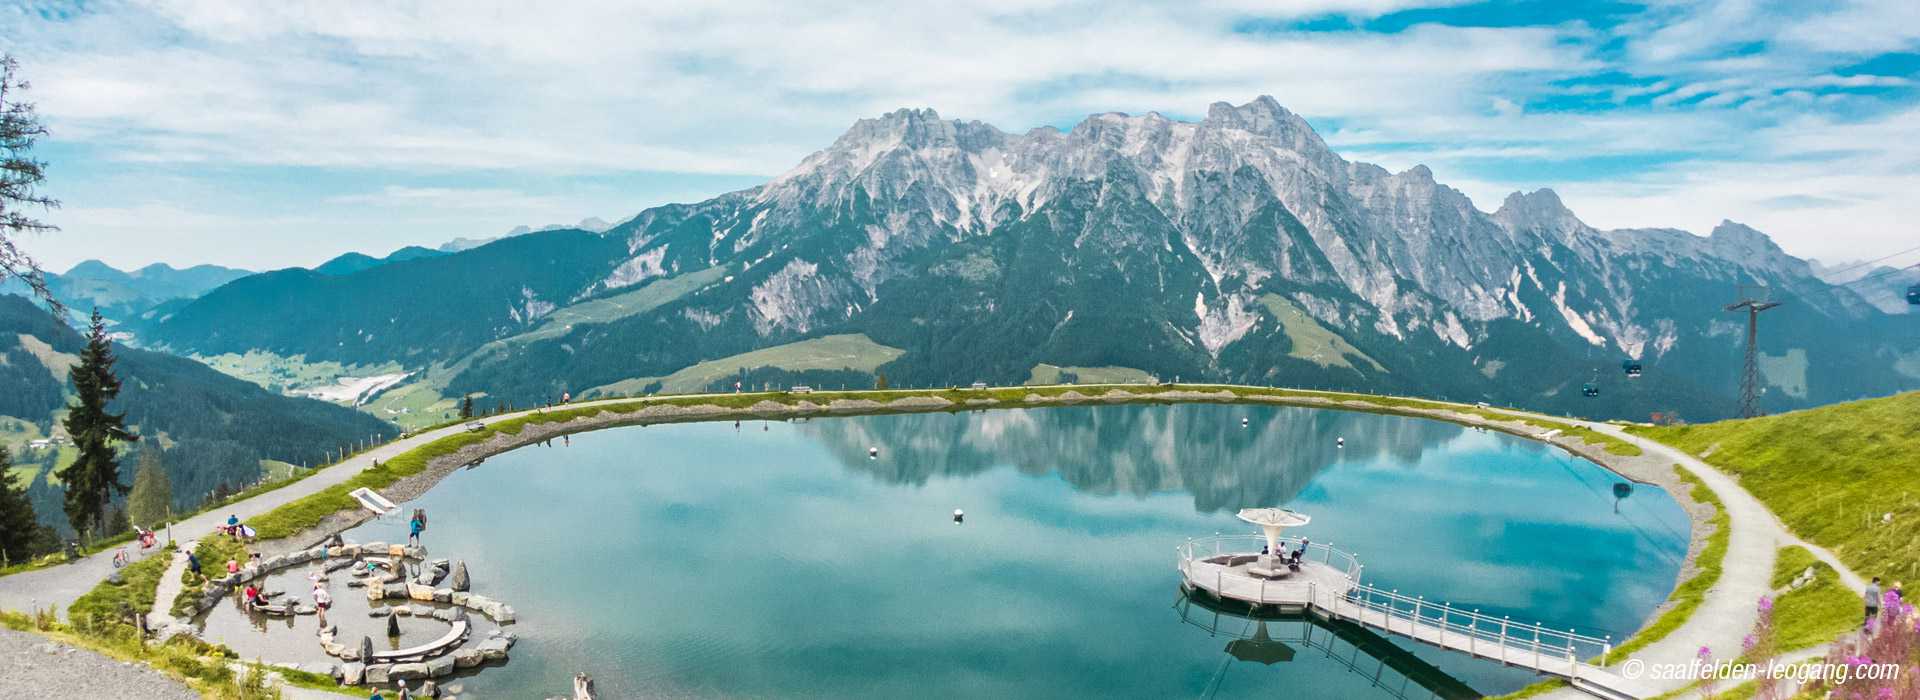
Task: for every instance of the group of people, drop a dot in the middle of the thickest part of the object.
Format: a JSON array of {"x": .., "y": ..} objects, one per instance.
[
  {"x": 253, "y": 597},
  {"x": 1874, "y": 594},
  {"x": 402, "y": 694},
  {"x": 121, "y": 557},
  {"x": 1292, "y": 559},
  {"x": 235, "y": 529}
]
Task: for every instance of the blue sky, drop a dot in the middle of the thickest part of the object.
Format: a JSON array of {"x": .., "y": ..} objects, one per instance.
[{"x": 273, "y": 134}]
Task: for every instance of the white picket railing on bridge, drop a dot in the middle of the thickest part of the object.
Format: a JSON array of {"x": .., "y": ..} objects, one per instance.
[{"x": 1329, "y": 584}]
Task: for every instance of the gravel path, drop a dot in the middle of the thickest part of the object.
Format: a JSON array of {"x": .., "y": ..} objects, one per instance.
[
  {"x": 170, "y": 586},
  {"x": 32, "y": 666},
  {"x": 1754, "y": 537}
]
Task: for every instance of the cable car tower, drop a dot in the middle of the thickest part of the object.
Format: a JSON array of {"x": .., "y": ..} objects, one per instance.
[{"x": 1753, "y": 299}]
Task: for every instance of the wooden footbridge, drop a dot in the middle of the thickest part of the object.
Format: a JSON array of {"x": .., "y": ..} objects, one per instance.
[{"x": 1327, "y": 585}]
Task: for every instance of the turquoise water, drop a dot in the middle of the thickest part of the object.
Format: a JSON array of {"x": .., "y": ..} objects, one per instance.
[{"x": 777, "y": 559}]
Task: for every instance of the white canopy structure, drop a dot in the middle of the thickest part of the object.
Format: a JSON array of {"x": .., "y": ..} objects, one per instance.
[{"x": 1272, "y": 521}]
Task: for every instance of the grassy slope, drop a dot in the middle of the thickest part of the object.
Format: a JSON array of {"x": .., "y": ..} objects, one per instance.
[
  {"x": 1815, "y": 613},
  {"x": 1831, "y": 473},
  {"x": 412, "y": 406},
  {"x": 854, "y": 351},
  {"x": 109, "y": 601},
  {"x": 1311, "y": 341},
  {"x": 1044, "y": 373}
]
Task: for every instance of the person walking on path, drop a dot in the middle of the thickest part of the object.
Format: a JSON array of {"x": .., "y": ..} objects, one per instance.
[
  {"x": 1872, "y": 596},
  {"x": 193, "y": 563},
  {"x": 322, "y": 601}
]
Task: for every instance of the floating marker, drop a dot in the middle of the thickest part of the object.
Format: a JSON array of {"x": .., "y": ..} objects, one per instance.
[
  {"x": 958, "y": 516},
  {"x": 1243, "y": 422},
  {"x": 873, "y": 453},
  {"x": 1339, "y": 442}
]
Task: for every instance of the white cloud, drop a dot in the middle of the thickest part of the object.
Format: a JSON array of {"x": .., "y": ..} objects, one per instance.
[
  {"x": 482, "y": 198},
  {"x": 1825, "y": 190},
  {"x": 605, "y": 88}
]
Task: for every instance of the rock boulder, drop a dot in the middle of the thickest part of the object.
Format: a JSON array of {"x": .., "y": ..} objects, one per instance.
[{"x": 468, "y": 658}]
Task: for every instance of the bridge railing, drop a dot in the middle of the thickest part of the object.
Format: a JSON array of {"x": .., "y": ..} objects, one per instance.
[
  {"x": 1202, "y": 548},
  {"x": 1483, "y": 634}
]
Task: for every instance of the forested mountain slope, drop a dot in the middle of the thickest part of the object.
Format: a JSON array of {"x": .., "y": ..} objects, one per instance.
[{"x": 211, "y": 428}]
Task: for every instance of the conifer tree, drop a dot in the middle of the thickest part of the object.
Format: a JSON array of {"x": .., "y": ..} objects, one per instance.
[
  {"x": 466, "y": 407},
  {"x": 94, "y": 478},
  {"x": 20, "y": 174},
  {"x": 21, "y": 536},
  {"x": 150, "y": 503}
]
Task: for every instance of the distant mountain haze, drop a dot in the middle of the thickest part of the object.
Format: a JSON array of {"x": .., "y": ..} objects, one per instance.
[
  {"x": 121, "y": 295},
  {"x": 354, "y": 262},
  {"x": 1234, "y": 248},
  {"x": 591, "y": 223}
]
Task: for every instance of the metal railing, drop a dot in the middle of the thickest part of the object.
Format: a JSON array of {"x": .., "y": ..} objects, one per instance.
[
  {"x": 1220, "y": 545},
  {"x": 1498, "y": 638},
  {"x": 1440, "y": 624}
]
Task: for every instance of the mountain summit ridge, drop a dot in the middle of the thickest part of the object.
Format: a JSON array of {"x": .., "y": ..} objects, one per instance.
[{"x": 1238, "y": 246}]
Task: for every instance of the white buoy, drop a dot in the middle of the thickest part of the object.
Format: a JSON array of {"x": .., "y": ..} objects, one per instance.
[
  {"x": 958, "y": 515},
  {"x": 1243, "y": 422},
  {"x": 873, "y": 453},
  {"x": 1339, "y": 442}
]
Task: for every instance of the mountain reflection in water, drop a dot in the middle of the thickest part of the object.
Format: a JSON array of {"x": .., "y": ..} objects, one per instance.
[
  {"x": 778, "y": 560},
  {"x": 1199, "y": 448}
]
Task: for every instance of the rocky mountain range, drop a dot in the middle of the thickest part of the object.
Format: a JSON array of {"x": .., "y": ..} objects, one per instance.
[{"x": 1237, "y": 248}]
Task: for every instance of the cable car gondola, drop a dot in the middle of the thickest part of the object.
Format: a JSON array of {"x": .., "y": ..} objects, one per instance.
[
  {"x": 1913, "y": 294},
  {"x": 1631, "y": 367}
]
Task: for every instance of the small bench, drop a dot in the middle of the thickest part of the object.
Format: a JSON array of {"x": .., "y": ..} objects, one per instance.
[
  {"x": 1232, "y": 559},
  {"x": 1270, "y": 567},
  {"x": 452, "y": 637}
]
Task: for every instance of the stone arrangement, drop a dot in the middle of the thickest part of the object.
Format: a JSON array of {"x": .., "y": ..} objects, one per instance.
[
  {"x": 218, "y": 589},
  {"x": 387, "y": 579},
  {"x": 383, "y": 570}
]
